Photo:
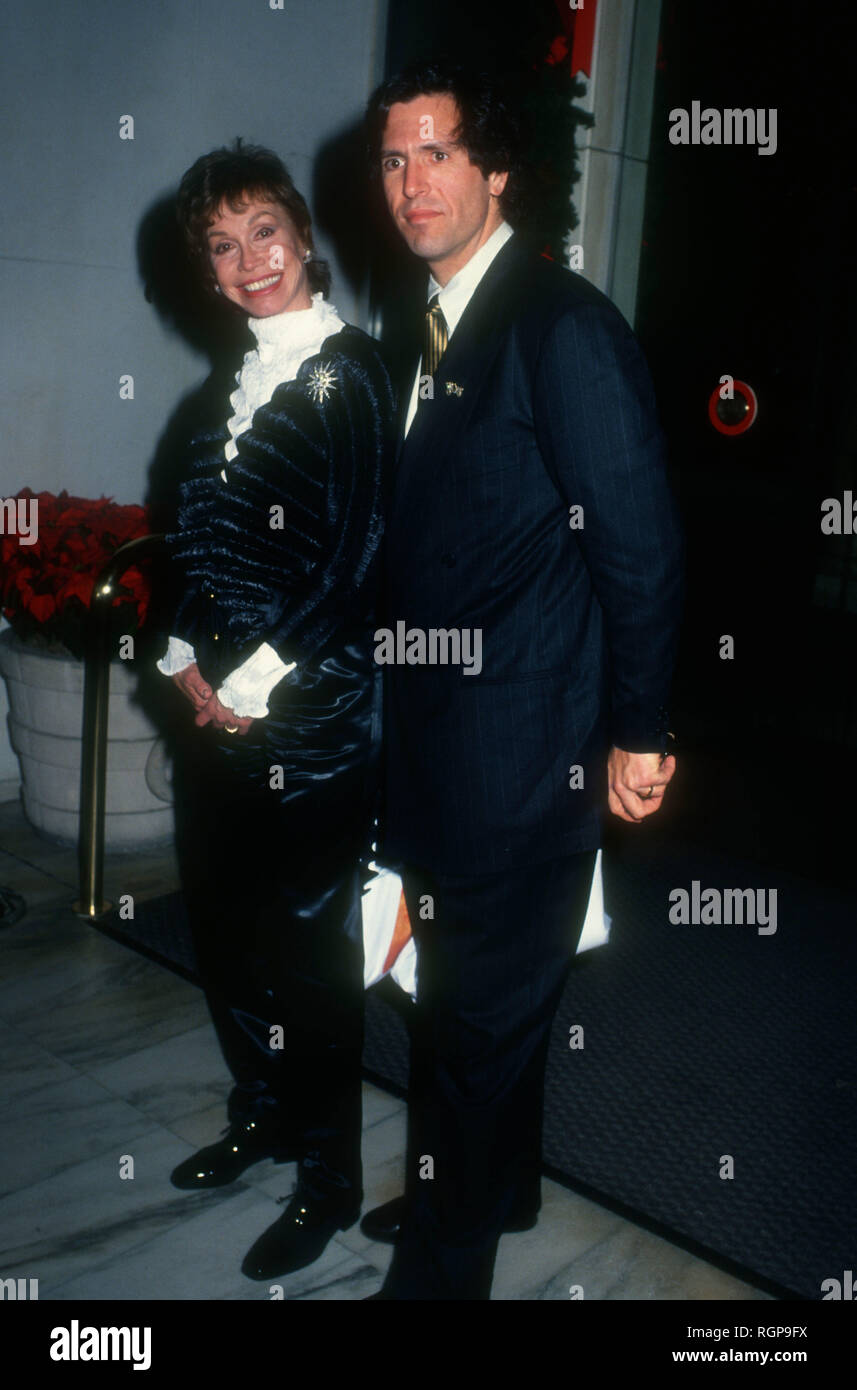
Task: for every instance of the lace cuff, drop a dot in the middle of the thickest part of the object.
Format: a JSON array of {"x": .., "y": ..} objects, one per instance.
[
  {"x": 246, "y": 689},
  {"x": 177, "y": 657}
]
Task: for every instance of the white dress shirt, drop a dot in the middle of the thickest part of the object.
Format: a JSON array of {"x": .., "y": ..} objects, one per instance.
[
  {"x": 283, "y": 342},
  {"x": 455, "y": 296}
]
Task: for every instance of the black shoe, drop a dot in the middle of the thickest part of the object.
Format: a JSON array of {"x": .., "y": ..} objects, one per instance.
[
  {"x": 298, "y": 1237},
  {"x": 385, "y": 1223},
  {"x": 244, "y": 1143}
]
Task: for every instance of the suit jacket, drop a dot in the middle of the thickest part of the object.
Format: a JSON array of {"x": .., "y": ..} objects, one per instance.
[{"x": 542, "y": 403}]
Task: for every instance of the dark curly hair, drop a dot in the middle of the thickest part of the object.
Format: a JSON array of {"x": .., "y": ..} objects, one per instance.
[
  {"x": 236, "y": 176},
  {"x": 489, "y": 128}
]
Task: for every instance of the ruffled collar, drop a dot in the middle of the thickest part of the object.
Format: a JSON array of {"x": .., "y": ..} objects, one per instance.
[{"x": 294, "y": 329}]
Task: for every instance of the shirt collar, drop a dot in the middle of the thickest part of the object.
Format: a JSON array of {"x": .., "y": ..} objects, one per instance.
[{"x": 455, "y": 295}]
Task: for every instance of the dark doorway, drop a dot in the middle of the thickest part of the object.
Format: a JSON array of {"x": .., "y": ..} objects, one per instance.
[{"x": 749, "y": 269}]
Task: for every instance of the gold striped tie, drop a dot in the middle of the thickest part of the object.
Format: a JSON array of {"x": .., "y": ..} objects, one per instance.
[{"x": 436, "y": 337}]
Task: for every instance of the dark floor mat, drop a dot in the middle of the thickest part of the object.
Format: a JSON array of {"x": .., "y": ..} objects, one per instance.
[{"x": 707, "y": 1049}]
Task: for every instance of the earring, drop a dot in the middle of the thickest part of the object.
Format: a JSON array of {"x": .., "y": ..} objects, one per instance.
[
  {"x": 307, "y": 256},
  {"x": 218, "y": 290}
]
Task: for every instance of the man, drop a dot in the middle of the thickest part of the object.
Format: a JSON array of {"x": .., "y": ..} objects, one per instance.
[{"x": 530, "y": 515}]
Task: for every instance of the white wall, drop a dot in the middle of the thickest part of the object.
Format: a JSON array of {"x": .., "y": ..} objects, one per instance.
[
  {"x": 193, "y": 74},
  {"x": 611, "y": 193}
]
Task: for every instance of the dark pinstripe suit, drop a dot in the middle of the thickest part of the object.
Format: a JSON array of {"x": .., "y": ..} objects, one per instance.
[{"x": 579, "y": 629}]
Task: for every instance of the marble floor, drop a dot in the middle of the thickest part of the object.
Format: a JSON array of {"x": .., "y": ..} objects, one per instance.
[{"x": 105, "y": 1056}]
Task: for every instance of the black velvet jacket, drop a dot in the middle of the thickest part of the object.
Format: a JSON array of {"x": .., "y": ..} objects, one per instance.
[{"x": 287, "y": 550}]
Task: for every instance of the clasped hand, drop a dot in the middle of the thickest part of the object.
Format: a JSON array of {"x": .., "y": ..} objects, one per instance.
[
  {"x": 629, "y": 777},
  {"x": 208, "y": 708}
]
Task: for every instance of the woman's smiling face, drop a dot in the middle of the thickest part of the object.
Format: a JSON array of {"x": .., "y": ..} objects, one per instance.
[{"x": 257, "y": 259}]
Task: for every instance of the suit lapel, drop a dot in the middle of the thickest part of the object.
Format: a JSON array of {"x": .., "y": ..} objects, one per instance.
[{"x": 461, "y": 371}]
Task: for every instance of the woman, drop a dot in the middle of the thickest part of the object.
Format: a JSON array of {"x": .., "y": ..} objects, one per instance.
[{"x": 278, "y": 541}]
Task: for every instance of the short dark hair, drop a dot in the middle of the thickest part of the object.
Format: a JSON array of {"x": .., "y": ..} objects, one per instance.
[
  {"x": 489, "y": 126},
  {"x": 237, "y": 175}
]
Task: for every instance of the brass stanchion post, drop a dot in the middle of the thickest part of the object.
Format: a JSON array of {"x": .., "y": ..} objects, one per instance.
[{"x": 96, "y": 691}]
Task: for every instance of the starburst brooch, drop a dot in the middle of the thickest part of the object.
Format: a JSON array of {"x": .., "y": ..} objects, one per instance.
[{"x": 320, "y": 382}]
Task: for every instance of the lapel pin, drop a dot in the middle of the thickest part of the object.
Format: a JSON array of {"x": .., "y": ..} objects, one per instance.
[{"x": 453, "y": 389}]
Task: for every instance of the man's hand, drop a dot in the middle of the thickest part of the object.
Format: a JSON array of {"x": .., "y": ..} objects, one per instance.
[
  {"x": 213, "y": 712},
  {"x": 192, "y": 685},
  {"x": 629, "y": 777}
]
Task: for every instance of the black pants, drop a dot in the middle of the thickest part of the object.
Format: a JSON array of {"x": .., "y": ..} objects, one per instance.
[
  {"x": 491, "y": 969},
  {"x": 273, "y": 893}
]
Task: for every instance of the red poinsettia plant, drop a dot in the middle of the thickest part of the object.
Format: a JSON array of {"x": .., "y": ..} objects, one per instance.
[{"x": 48, "y": 570}]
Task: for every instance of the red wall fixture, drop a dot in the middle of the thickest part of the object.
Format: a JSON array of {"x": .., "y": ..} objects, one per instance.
[{"x": 737, "y": 412}]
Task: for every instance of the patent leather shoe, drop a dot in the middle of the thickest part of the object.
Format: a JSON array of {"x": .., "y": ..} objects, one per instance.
[
  {"x": 244, "y": 1143},
  {"x": 299, "y": 1237},
  {"x": 384, "y": 1223}
]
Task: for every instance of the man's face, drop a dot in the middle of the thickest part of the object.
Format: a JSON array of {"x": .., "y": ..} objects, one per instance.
[{"x": 442, "y": 204}]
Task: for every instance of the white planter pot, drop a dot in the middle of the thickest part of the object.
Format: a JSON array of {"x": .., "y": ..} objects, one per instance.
[{"x": 45, "y": 723}]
